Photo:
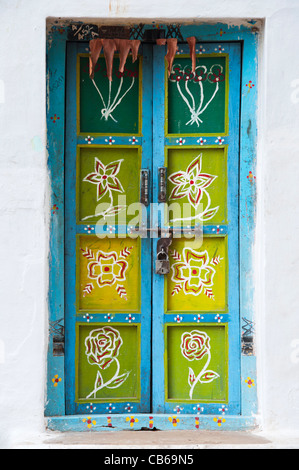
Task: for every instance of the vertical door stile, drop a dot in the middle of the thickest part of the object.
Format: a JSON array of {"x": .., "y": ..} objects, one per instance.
[
  {"x": 158, "y": 384},
  {"x": 233, "y": 170},
  {"x": 146, "y": 272},
  {"x": 70, "y": 228}
]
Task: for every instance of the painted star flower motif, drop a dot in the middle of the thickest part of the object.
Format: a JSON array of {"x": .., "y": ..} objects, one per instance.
[
  {"x": 133, "y": 140},
  {"x": 191, "y": 183},
  {"x": 250, "y": 382},
  {"x": 193, "y": 272},
  {"x": 105, "y": 178},
  {"x": 56, "y": 379},
  {"x": 89, "y": 422},
  {"x": 107, "y": 269},
  {"x": 89, "y": 139}
]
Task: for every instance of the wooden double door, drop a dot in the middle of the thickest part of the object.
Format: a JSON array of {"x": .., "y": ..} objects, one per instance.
[{"x": 147, "y": 152}]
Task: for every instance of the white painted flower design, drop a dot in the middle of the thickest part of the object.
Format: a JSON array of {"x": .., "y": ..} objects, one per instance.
[
  {"x": 193, "y": 184},
  {"x": 104, "y": 177}
]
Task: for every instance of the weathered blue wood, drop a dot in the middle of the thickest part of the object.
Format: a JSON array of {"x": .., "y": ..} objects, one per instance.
[
  {"x": 104, "y": 140},
  {"x": 234, "y": 355},
  {"x": 202, "y": 141},
  {"x": 122, "y": 229},
  {"x": 158, "y": 381},
  {"x": 91, "y": 317},
  {"x": 146, "y": 252},
  {"x": 249, "y": 385},
  {"x": 56, "y": 45},
  {"x": 218, "y": 32},
  {"x": 248, "y": 144},
  {"x": 70, "y": 229},
  {"x": 194, "y": 317},
  {"x": 206, "y": 408},
  {"x": 170, "y": 422}
]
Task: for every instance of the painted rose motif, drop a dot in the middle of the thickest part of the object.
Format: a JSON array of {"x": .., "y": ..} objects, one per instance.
[
  {"x": 102, "y": 346},
  {"x": 194, "y": 346},
  {"x": 107, "y": 268},
  {"x": 193, "y": 184},
  {"x": 102, "y": 349},
  {"x": 194, "y": 274}
]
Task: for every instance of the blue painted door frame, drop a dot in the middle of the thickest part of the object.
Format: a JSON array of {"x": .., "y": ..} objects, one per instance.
[{"x": 57, "y": 40}]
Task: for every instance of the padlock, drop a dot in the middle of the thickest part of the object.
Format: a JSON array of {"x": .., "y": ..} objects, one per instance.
[{"x": 162, "y": 263}]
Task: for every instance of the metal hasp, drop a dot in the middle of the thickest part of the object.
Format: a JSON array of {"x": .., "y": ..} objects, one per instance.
[
  {"x": 151, "y": 35},
  {"x": 162, "y": 184},
  {"x": 144, "y": 176},
  {"x": 162, "y": 261},
  {"x": 58, "y": 345}
]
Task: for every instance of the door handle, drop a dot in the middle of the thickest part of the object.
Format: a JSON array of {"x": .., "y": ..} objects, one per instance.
[
  {"x": 144, "y": 193},
  {"x": 162, "y": 184}
]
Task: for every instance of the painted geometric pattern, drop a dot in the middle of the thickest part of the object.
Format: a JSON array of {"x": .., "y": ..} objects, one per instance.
[
  {"x": 197, "y": 278},
  {"x": 108, "y": 274},
  {"x": 193, "y": 272}
]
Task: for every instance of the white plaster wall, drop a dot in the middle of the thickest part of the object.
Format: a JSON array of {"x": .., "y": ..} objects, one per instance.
[{"x": 24, "y": 194}]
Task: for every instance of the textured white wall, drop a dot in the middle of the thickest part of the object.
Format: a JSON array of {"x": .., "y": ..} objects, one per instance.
[
  {"x": 24, "y": 198},
  {"x": 278, "y": 162}
]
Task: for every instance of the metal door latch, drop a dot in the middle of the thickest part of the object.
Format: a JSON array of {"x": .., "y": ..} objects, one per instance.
[
  {"x": 58, "y": 345},
  {"x": 162, "y": 261},
  {"x": 162, "y": 184},
  {"x": 144, "y": 197}
]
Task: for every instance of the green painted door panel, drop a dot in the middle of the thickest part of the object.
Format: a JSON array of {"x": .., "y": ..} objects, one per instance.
[
  {"x": 108, "y": 274},
  {"x": 197, "y": 281},
  {"x": 197, "y": 180},
  {"x": 197, "y": 363},
  {"x": 108, "y": 180},
  {"x": 197, "y": 102},
  {"x": 103, "y": 105},
  {"x": 108, "y": 358}
]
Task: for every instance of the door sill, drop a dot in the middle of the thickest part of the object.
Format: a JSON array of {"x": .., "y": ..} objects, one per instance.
[{"x": 150, "y": 422}]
